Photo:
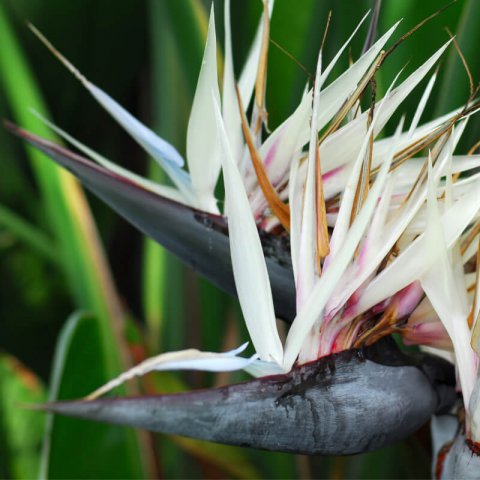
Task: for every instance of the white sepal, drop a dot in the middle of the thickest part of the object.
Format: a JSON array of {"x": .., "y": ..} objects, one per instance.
[
  {"x": 190, "y": 359},
  {"x": 422, "y": 104},
  {"x": 163, "y": 152},
  {"x": 293, "y": 133},
  {"x": 202, "y": 143},
  {"x": 440, "y": 284},
  {"x": 320, "y": 294},
  {"x": 161, "y": 190},
  {"x": 260, "y": 368},
  {"x": 249, "y": 267},
  {"x": 416, "y": 259},
  {"x": 230, "y": 113},
  {"x": 307, "y": 249}
]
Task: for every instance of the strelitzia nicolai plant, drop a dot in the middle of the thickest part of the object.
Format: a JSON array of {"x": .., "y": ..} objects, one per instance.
[{"x": 378, "y": 242}]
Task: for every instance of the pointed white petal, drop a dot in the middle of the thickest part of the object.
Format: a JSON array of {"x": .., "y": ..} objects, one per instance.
[
  {"x": 335, "y": 94},
  {"x": 294, "y": 132},
  {"x": 381, "y": 146},
  {"x": 307, "y": 252},
  {"x": 154, "y": 145},
  {"x": 342, "y": 146},
  {"x": 249, "y": 268},
  {"x": 343, "y": 219},
  {"x": 332, "y": 64},
  {"x": 202, "y": 144},
  {"x": 416, "y": 259},
  {"x": 163, "y": 152},
  {"x": 307, "y": 247},
  {"x": 365, "y": 265},
  {"x": 440, "y": 284},
  {"x": 317, "y": 300},
  {"x": 162, "y": 190},
  {"x": 295, "y": 198},
  {"x": 471, "y": 250},
  {"x": 230, "y": 113},
  {"x": 375, "y": 232},
  {"x": 408, "y": 171},
  {"x": 422, "y": 104},
  {"x": 394, "y": 99},
  {"x": 392, "y": 232},
  {"x": 190, "y": 359}
]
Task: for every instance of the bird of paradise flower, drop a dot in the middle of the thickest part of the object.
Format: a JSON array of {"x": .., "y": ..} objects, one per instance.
[{"x": 379, "y": 240}]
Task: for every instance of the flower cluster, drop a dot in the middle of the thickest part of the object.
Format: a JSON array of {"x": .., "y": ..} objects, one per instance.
[{"x": 382, "y": 240}]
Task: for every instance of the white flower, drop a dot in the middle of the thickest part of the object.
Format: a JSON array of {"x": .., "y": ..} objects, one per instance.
[{"x": 372, "y": 228}]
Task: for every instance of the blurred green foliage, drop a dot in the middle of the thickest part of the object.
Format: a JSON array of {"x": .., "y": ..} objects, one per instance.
[
  {"x": 99, "y": 450},
  {"x": 20, "y": 431},
  {"x": 147, "y": 54}
]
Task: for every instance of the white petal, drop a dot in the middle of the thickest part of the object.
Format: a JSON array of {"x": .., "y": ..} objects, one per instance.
[
  {"x": 364, "y": 267},
  {"x": 335, "y": 94},
  {"x": 315, "y": 304},
  {"x": 342, "y": 146},
  {"x": 422, "y": 104},
  {"x": 295, "y": 197},
  {"x": 230, "y": 113},
  {"x": 392, "y": 232},
  {"x": 159, "y": 149},
  {"x": 381, "y": 146},
  {"x": 260, "y": 368},
  {"x": 249, "y": 268},
  {"x": 343, "y": 219},
  {"x": 202, "y": 144},
  {"x": 307, "y": 247},
  {"x": 440, "y": 285},
  {"x": 408, "y": 171},
  {"x": 164, "y": 153},
  {"x": 416, "y": 259},
  {"x": 190, "y": 359},
  {"x": 161, "y": 190},
  {"x": 294, "y": 132}
]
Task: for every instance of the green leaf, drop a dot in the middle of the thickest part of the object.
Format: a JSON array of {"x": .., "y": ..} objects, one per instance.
[
  {"x": 77, "y": 448},
  {"x": 70, "y": 220},
  {"x": 189, "y": 23},
  {"x": 162, "y": 274},
  {"x": 64, "y": 202},
  {"x": 20, "y": 429},
  {"x": 230, "y": 459},
  {"x": 454, "y": 86}
]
